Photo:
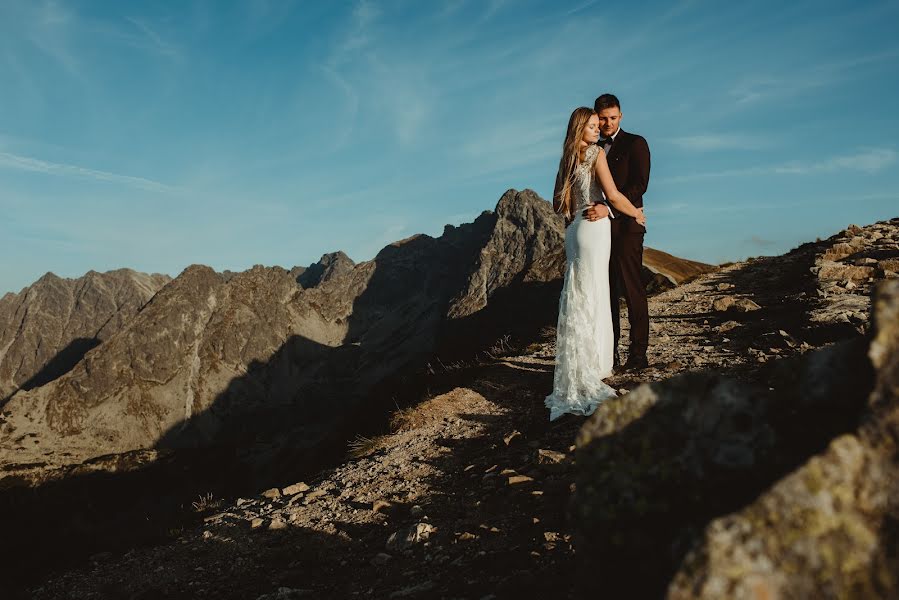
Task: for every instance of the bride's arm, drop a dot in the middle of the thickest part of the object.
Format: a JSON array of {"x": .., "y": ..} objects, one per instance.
[{"x": 618, "y": 200}]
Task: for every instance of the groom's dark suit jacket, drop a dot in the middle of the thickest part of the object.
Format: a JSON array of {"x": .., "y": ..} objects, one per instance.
[{"x": 628, "y": 160}]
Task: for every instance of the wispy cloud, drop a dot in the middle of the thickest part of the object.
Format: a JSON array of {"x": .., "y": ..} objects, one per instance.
[
  {"x": 351, "y": 99},
  {"x": 672, "y": 208},
  {"x": 65, "y": 36},
  {"x": 34, "y": 165},
  {"x": 151, "y": 39},
  {"x": 766, "y": 87},
  {"x": 362, "y": 64},
  {"x": 271, "y": 11},
  {"x": 866, "y": 161},
  {"x": 493, "y": 7},
  {"x": 646, "y": 32},
  {"x": 760, "y": 89},
  {"x": 581, "y": 7},
  {"x": 49, "y": 30},
  {"x": 403, "y": 93},
  {"x": 714, "y": 141},
  {"x": 358, "y": 34},
  {"x": 449, "y": 8},
  {"x": 508, "y": 146}
]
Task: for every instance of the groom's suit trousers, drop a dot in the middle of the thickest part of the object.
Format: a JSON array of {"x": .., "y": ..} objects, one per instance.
[{"x": 626, "y": 279}]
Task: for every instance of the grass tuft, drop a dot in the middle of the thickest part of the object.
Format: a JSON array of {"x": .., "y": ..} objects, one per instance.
[
  {"x": 362, "y": 446},
  {"x": 205, "y": 503}
]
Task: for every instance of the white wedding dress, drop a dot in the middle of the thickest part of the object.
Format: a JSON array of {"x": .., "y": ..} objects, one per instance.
[{"x": 584, "y": 337}]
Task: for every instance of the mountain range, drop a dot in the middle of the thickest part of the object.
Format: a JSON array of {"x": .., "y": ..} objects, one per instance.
[{"x": 115, "y": 362}]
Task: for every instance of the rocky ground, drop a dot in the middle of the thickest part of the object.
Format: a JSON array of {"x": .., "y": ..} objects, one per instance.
[{"x": 470, "y": 493}]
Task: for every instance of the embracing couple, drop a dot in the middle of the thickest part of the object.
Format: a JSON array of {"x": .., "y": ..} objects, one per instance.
[{"x": 599, "y": 190}]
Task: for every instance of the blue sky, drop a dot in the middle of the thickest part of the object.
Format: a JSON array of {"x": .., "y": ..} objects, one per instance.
[{"x": 158, "y": 135}]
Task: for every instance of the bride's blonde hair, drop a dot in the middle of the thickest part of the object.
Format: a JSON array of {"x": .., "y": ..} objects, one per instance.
[{"x": 571, "y": 155}]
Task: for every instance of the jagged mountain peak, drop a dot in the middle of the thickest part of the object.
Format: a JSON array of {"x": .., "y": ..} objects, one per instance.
[
  {"x": 328, "y": 266},
  {"x": 47, "y": 327}
]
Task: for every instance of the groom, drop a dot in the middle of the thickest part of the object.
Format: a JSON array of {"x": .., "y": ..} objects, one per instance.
[{"x": 628, "y": 157}]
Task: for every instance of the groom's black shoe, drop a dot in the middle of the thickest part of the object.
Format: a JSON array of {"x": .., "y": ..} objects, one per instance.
[{"x": 635, "y": 363}]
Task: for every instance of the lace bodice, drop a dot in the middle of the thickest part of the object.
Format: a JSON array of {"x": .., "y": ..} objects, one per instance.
[{"x": 587, "y": 190}]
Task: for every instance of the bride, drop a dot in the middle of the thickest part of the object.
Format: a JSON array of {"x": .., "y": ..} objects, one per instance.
[{"x": 584, "y": 337}]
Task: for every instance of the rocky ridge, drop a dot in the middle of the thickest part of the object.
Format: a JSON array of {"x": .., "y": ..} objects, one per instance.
[
  {"x": 735, "y": 466},
  {"x": 328, "y": 266},
  {"x": 216, "y": 359},
  {"x": 47, "y": 327}
]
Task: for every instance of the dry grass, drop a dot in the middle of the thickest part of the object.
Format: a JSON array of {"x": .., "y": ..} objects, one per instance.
[
  {"x": 206, "y": 503},
  {"x": 500, "y": 347},
  {"x": 438, "y": 367},
  {"x": 431, "y": 410},
  {"x": 362, "y": 446}
]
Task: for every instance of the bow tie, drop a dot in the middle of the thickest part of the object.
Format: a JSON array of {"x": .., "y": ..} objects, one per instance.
[{"x": 606, "y": 141}]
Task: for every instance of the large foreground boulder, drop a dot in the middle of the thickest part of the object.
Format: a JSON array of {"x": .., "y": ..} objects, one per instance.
[
  {"x": 829, "y": 529},
  {"x": 706, "y": 486}
]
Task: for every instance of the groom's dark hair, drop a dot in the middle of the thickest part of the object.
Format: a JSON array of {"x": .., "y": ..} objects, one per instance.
[{"x": 606, "y": 101}]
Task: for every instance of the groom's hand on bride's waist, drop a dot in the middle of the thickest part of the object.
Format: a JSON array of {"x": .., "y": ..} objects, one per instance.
[{"x": 596, "y": 212}]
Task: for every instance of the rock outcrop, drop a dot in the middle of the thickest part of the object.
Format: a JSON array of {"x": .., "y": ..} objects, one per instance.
[
  {"x": 828, "y": 530},
  {"x": 47, "y": 327},
  {"x": 523, "y": 247},
  {"x": 329, "y": 266},
  {"x": 777, "y": 480},
  {"x": 847, "y": 270}
]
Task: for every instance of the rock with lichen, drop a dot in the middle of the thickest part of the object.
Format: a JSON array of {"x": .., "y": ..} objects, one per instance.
[
  {"x": 659, "y": 468},
  {"x": 828, "y": 530},
  {"x": 653, "y": 463}
]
